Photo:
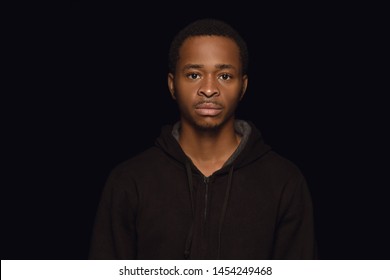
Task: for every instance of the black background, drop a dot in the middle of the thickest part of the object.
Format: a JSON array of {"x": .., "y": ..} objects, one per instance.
[{"x": 88, "y": 90}]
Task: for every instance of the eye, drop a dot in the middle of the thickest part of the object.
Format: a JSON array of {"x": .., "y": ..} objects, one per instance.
[
  {"x": 193, "y": 76},
  {"x": 225, "y": 76}
]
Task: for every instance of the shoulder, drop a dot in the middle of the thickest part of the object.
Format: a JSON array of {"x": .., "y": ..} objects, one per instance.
[
  {"x": 147, "y": 164},
  {"x": 124, "y": 176},
  {"x": 284, "y": 179},
  {"x": 138, "y": 163},
  {"x": 280, "y": 166},
  {"x": 278, "y": 174}
]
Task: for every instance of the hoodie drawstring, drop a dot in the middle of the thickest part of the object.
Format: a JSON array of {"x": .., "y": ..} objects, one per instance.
[
  {"x": 224, "y": 207},
  {"x": 187, "y": 250}
]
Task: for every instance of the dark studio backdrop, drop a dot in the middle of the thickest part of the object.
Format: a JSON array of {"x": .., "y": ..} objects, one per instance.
[{"x": 313, "y": 92}]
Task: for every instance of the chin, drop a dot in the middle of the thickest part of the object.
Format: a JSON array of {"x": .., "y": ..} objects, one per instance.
[{"x": 208, "y": 125}]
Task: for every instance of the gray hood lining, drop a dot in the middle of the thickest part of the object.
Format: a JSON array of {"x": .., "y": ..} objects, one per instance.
[{"x": 241, "y": 127}]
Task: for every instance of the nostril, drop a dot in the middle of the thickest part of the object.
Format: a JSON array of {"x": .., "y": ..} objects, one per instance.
[{"x": 208, "y": 92}]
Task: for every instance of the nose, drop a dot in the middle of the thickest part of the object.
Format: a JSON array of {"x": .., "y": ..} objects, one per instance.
[{"x": 209, "y": 87}]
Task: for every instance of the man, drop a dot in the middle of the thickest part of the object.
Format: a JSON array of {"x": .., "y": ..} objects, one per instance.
[{"x": 210, "y": 188}]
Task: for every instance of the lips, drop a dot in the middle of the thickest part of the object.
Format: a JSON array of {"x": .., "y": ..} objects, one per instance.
[{"x": 208, "y": 109}]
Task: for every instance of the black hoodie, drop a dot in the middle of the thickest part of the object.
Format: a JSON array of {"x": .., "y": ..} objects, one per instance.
[{"x": 158, "y": 205}]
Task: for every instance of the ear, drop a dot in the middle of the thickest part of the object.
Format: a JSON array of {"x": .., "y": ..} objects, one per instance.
[
  {"x": 171, "y": 85},
  {"x": 244, "y": 85}
]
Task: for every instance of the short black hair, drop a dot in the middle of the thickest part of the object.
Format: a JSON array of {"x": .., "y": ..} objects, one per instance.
[{"x": 204, "y": 27}]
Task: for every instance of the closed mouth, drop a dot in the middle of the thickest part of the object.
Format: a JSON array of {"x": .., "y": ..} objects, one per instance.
[{"x": 208, "y": 105}]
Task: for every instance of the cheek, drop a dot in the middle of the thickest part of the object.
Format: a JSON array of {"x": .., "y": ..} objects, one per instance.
[
  {"x": 183, "y": 99},
  {"x": 234, "y": 94},
  {"x": 185, "y": 87},
  {"x": 186, "y": 92}
]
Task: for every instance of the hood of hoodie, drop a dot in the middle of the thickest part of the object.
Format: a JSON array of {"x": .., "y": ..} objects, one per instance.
[{"x": 252, "y": 145}]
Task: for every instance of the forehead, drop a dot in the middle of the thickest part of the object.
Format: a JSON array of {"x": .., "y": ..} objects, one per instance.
[{"x": 212, "y": 49}]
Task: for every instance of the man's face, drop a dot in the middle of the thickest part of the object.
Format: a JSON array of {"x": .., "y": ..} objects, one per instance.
[{"x": 208, "y": 83}]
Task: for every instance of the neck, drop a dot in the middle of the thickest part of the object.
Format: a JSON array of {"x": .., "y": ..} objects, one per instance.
[{"x": 209, "y": 150}]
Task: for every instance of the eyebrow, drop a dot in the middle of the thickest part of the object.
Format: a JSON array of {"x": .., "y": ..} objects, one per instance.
[{"x": 199, "y": 66}]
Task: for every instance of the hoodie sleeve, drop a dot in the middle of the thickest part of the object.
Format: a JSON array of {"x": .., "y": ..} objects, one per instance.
[
  {"x": 113, "y": 233},
  {"x": 295, "y": 237}
]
